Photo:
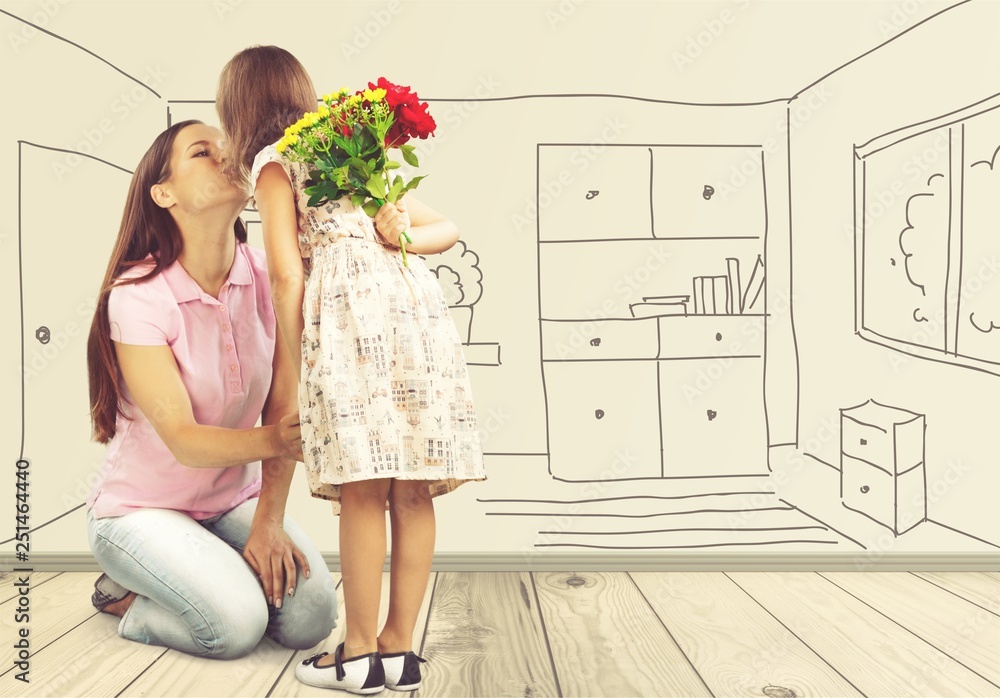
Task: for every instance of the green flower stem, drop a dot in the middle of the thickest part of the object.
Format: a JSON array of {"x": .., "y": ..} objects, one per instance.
[{"x": 402, "y": 244}]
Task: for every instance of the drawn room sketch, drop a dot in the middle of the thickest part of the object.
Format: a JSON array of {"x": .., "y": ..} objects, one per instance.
[{"x": 765, "y": 326}]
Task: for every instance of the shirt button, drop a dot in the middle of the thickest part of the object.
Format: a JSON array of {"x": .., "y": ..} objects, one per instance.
[
  {"x": 229, "y": 347},
  {"x": 234, "y": 367},
  {"x": 225, "y": 328},
  {"x": 222, "y": 308}
]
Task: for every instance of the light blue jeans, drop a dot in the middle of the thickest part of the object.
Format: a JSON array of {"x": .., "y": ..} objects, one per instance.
[{"x": 194, "y": 591}]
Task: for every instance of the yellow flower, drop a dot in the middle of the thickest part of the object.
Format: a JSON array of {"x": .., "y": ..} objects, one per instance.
[
  {"x": 323, "y": 110},
  {"x": 282, "y": 144},
  {"x": 375, "y": 95},
  {"x": 354, "y": 99}
]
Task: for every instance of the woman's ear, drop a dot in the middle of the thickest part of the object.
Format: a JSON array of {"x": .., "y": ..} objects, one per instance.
[{"x": 161, "y": 196}]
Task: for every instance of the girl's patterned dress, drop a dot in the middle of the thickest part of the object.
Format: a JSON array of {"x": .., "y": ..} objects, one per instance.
[{"x": 384, "y": 390}]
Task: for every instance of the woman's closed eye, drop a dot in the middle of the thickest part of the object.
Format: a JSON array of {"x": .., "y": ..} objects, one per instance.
[{"x": 201, "y": 152}]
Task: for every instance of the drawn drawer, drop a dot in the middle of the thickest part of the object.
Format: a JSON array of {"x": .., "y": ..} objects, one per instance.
[
  {"x": 867, "y": 489},
  {"x": 712, "y": 416},
  {"x": 599, "y": 339},
  {"x": 583, "y": 195},
  {"x": 707, "y": 192},
  {"x": 867, "y": 442},
  {"x": 603, "y": 421},
  {"x": 711, "y": 335}
]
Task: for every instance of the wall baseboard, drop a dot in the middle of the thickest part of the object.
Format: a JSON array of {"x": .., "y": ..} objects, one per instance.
[{"x": 555, "y": 562}]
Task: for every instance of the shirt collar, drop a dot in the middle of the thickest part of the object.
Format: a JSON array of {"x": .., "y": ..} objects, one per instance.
[{"x": 186, "y": 289}]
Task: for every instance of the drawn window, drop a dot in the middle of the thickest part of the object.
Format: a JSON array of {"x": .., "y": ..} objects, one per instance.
[{"x": 927, "y": 239}]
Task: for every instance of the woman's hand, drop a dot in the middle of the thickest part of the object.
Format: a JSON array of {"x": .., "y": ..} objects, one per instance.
[
  {"x": 287, "y": 437},
  {"x": 391, "y": 221},
  {"x": 272, "y": 555}
]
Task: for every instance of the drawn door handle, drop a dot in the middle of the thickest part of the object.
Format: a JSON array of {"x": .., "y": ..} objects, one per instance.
[
  {"x": 864, "y": 489},
  {"x": 599, "y": 414},
  {"x": 712, "y": 414}
]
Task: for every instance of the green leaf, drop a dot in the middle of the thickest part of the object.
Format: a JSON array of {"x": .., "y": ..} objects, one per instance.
[
  {"x": 391, "y": 164},
  {"x": 371, "y": 208},
  {"x": 376, "y": 185},
  {"x": 408, "y": 155},
  {"x": 358, "y": 199},
  {"x": 317, "y": 199},
  {"x": 397, "y": 188},
  {"x": 412, "y": 184}
]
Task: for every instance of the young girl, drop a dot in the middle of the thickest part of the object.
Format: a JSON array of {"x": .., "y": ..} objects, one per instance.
[{"x": 384, "y": 396}]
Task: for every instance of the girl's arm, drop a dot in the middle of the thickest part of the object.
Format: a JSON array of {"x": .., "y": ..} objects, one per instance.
[
  {"x": 430, "y": 231},
  {"x": 276, "y": 205},
  {"x": 152, "y": 376}
]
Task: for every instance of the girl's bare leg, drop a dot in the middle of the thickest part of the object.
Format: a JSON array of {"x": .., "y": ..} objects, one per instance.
[
  {"x": 362, "y": 556},
  {"x": 411, "y": 513}
]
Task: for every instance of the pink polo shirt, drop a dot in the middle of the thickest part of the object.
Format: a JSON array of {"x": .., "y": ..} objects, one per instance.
[{"x": 223, "y": 350}]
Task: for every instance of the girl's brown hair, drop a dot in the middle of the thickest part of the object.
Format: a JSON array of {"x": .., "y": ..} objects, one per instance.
[
  {"x": 262, "y": 90},
  {"x": 145, "y": 229}
]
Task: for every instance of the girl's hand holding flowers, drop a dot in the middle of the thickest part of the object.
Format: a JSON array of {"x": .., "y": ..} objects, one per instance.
[{"x": 391, "y": 221}]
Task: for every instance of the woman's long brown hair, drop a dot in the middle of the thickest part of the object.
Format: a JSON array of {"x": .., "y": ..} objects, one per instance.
[
  {"x": 262, "y": 90},
  {"x": 145, "y": 229}
]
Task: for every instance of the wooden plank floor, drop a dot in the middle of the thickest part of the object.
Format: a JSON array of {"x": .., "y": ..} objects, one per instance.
[{"x": 783, "y": 635}]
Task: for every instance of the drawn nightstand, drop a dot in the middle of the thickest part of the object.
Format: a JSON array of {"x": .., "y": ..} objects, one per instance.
[{"x": 882, "y": 469}]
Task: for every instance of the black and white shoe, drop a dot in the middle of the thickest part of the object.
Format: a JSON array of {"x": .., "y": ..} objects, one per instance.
[
  {"x": 107, "y": 591},
  {"x": 402, "y": 671},
  {"x": 362, "y": 674}
]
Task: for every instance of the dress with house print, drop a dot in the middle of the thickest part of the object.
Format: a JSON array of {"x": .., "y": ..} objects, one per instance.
[{"x": 384, "y": 389}]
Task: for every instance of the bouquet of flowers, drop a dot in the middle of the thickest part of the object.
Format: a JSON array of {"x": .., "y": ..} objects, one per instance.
[{"x": 345, "y": 142}]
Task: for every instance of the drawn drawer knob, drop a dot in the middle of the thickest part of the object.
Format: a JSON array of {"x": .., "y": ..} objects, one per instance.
[
  {"x": 864, "y": 489},
  {"x": 718, "y": 336},
  {"x": 595, "y": 342},
  {"x": 864, "y": 442},
  {"x": 599, "y": 413},
  {"x": 707, "y": 192},
  {"x": 712, "y": 414}
]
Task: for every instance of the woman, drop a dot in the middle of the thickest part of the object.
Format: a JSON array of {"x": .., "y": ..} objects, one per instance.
[{"x": 182, "y": 363}]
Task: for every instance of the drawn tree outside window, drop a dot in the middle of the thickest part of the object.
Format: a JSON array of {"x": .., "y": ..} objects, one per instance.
[
  {"x": 458, "y": 272},
  {"x": 927, "y": 214}
]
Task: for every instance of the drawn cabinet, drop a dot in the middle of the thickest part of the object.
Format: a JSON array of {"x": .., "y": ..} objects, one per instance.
[
  {"x": 882, "y": 470},
  {"x": 712, "y": 409},
  {"x": 639, "y": 382},
  {"x": 605, "y": 425}
]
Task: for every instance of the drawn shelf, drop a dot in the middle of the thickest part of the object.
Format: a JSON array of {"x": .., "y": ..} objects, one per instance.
[{"x": 652, "y": 336}]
